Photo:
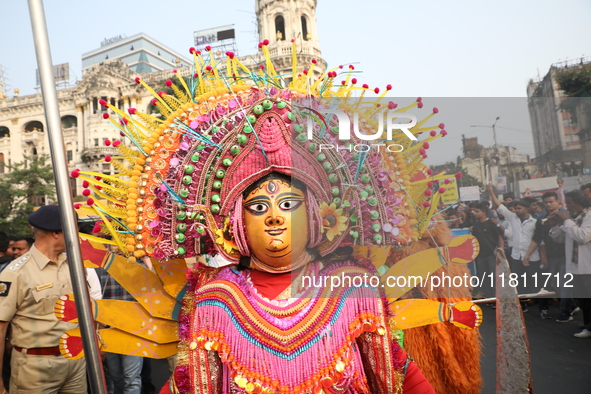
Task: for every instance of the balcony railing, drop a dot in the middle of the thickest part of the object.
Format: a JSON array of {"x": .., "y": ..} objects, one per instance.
[
  {"x": 97, "y": 152},
  {"x": 32, "y": 136}
]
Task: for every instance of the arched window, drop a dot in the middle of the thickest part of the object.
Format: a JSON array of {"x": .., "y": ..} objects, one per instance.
[
  {"x": 33, "y": 126},
  {"x": 305, "y": 33},
  {"x": 4, "y": 132},
  {"x": 280, "y": 28},
  {"x": 69, "y": 121}
]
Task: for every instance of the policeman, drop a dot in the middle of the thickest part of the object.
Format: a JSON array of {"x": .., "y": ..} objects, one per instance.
[{"x": 29, "y": 288}]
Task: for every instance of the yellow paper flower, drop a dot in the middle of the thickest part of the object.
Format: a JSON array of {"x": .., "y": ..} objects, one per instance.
[
  {"x": 333, "y": 221},
  {"x": 224, "y": 238}
]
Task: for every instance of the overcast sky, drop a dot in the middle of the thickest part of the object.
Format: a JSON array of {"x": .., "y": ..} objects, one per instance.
[{"x": 423, "y": 48}]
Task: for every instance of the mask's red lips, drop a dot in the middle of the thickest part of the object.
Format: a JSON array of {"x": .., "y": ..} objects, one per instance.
[{"x": 275, "y": 231}]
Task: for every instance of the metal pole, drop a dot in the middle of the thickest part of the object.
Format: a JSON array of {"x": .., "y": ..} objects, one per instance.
[{"x": 64, "y": 194}]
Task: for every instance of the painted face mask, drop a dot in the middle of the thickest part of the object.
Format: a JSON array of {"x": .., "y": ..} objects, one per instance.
[{"x": 276, "y": 225}]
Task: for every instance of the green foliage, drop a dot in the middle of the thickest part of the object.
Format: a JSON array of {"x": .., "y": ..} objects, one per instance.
[
  {"x": 575, "y": 83},
  {"x": 23, "y": 188}
]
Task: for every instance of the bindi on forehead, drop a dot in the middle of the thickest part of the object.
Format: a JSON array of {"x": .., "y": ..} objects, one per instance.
[{"x": 270, "y": 188}]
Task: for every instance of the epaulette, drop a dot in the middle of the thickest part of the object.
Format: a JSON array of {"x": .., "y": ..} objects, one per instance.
[{"x": 16, "y": 264}]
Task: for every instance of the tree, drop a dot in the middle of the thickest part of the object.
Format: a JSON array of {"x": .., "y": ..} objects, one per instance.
[{"x": 26, "y": 185}]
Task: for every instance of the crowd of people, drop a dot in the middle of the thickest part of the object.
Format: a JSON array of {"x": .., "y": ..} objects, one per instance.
[
  {"x": 550, "y": 236},
  {"x": 28, "y": 293},
  {"x": 547, "y": 243}
]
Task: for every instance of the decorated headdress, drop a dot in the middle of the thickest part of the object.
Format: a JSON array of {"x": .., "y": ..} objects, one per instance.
[
  {"x": 183, "y": 174},
  {"x": 180, "y": 182}
]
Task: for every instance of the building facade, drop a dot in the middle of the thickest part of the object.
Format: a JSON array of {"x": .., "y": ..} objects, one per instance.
[
  {"x": 22, "y": 119},
  {"x": 141, "y": 53},
  {"x": 497, "y": 161},
  {"x": 555, "y": 134}
]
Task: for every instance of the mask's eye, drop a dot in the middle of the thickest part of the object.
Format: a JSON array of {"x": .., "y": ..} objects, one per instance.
[
  {"x": 289, "y": 205},
  {"x": 257, "y": 208}
]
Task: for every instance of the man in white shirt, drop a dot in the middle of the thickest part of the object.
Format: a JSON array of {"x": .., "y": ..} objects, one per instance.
[
  {"x": 522, "y": 226},
  {"x": 575, "y": 231}
]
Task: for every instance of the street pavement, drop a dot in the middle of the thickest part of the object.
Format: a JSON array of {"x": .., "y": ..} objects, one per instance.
[{"x": 561, "y": 363}]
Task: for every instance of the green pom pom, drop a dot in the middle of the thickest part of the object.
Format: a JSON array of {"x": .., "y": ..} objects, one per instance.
[
  {"x": 227, "y": 162},
  {"x": 187, "y": 180},
  {"x": 290, "y": 116},
  {"x": 247, "y": 129},
  {"x": 241, "y": 139},
  {"x": 216, "y": 198},
  {"x": 181, "y": 215},
  {"x": 181, "y": 250},
  {"x": 365, "y": 178},
  {"x": 374, "y": 214},
  {"x": 251, "y": 119},
  {"x": 363, "y": 194},
  {"x": 298, "y": 128},
  {"x": 333, "y": 178},
  {"x": 220, "y": 174},
  {"x": 327, "y": 166},
  {"x": 335, "y": 191},
  {"x": 353, "y": 218},
  {"x": 258, "y": 109},
  {"x": 267, "y": 104},
  {"x": 195, "y": 157},
  {"x": 215, "y": 209},
  {"x": 217, "y": 185},
  {"x": 281, "y": 104},
  {"x": 235, "y": 149},
  {"x": 372, "y": 201},
  {"x": 321, "y": 157},
  {"x": 184, "y": 193},
  {"x": 180, "y": 238},
  {"x": 189, "y": 169},
  {"x": 302, "y": 138},
  {"x": 181, "y": 227},
  {"x": 377, "y": 238},
  {"x": 376, "y": 227}
]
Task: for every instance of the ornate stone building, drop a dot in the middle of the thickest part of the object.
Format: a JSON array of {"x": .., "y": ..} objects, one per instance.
[{"x": 22, "y": 120}]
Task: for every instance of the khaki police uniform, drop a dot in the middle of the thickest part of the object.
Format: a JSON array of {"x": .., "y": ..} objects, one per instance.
[{"x": 29, "y": 288}]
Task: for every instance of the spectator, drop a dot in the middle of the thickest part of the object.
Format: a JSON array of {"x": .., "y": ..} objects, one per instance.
[
  {"x": 466, "y": 217},
  {"x": 522, "y": 225},
  {"x": 4, "y": 257},
  {"x": 29, "y": 288},
  {"x": 505, "y": 227},
  {"x": 508, "y": 198},
  {"x": 489, "y": 237},
  {"x": 586, "y": 189},
  {"x": 11, "y": 239},
  {"x": 552, "y": 256},
  {"x": 21, "y": 245},
  {"x": 534, "y": 208},
  {"x": 575, "y": 231},
  {"x": 453, "y": 218},
  {"x": 124, "y": 370}
]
